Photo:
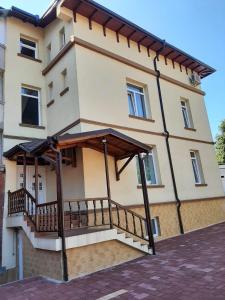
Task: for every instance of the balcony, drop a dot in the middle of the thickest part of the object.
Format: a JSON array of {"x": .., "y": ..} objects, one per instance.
[{"x": 2, "y": 57}]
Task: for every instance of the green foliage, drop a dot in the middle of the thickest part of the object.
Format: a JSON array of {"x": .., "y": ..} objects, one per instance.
[{"x": 220, "y": 144}]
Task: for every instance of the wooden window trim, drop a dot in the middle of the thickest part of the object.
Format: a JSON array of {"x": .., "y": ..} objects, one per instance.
[
  {"x": 190, "y": 129},
  {"x": 141, "y": 118},
  {"x": 201, "y": 184},
  {"x": 32, "y": 126},
  {"x": 152, "y": 186},
  {"x": 64, "y": 91},
  {"x": 50, "y": 103},
  {"x": 30, "y": 58}
]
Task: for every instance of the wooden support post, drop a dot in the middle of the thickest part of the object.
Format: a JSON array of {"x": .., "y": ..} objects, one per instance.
[
  {"x": 25, "y": 171},
  {"x": 146, "y": 204},
  {"x": 61, "y": 211},
  {"x": 104, "y": 141}
]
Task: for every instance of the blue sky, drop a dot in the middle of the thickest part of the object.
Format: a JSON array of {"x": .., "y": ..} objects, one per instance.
[{"x": 195, "y": 26}]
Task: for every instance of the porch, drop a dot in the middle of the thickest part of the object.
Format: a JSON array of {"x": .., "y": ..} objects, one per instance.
[{"x": 66, "y": 218}]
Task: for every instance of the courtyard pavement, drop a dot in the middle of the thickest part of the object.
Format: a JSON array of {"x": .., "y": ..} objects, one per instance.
[{"x": 186, "y": 267}]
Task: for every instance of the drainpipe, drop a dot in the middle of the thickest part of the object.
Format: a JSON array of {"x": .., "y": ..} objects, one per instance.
[
  {"x": 60, "y": 208},
  {"x": 167, "y": 135}
]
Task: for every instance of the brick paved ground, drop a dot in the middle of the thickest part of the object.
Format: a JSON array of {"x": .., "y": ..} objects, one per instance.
[{"x": 188, "y": 267}]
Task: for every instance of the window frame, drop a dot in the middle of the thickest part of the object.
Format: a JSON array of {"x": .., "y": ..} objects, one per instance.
[
  {"x": 35, "y": 49},
  {"x": 62, "y": 38},
  {"x": 198, "y": 165},
  {"x": 34, "y": 97},
  {"x": 155, "y": 220},
  {"x": 153, "y": 155},
  {"x": 132, "y": 92},
  {"x": 186, "y": 112},
  {"x": 49, "y": 52}
]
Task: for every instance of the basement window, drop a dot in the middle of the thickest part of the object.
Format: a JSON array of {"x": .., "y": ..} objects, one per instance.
[
  {"x": 28, "y": 48},
  {"x": 155, "y": 227},
  {"x": 30, "y": 106}
]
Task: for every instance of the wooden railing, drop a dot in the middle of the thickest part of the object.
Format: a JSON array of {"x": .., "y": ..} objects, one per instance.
[
  {"x": 78, "y": 214},
  {"x": 86, "y": 213},
  {"x": 129, "y": 221},
  {"x": 44, "y": 217}
]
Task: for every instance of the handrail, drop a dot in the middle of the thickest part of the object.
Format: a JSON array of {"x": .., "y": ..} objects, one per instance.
[
  {"x": 85, "y": 199},
  {"x": 128, "y": 210}
]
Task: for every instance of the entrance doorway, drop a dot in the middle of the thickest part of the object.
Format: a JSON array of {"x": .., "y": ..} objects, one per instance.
[{"x": 31, "y": 181}]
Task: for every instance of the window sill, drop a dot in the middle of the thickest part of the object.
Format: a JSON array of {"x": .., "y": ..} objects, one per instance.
[
  {"x": 152, "y": 186},
  {"x": 201, "y": 184},
  {"x": 30, "y": 58},
  {"x": 50, "y": 103},
  {"x": 64, "y": 91},
  {"x": 141, "y": 118},
  {"x": 190, "y": 129},
  {"x": 32, "y": 126}
]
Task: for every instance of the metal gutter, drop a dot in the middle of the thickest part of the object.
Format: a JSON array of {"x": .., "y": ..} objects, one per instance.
[{"x": 167, "y": 135}]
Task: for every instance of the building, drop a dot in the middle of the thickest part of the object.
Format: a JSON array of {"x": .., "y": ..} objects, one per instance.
[
  {"x": 222, "y": 175},
  {"x": 92, "y": 102}
]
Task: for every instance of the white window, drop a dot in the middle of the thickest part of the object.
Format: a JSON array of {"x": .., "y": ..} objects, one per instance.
[
  {"x": 64, "y": 79},
  {"x": 136, "y": 101},
  {"x": 49, "y": 53},
  {"x": 186, "y": 114},
  {"x": 149, "y": 161},
  {"x": 30, "y": 106},
  {"x": 155, "y": 227},
  {"x": 196, "y": 165},
  {"x": 28, "y": 48},
  {"x": 62, "y": 38},
  {"x": 50, "y": 91}
]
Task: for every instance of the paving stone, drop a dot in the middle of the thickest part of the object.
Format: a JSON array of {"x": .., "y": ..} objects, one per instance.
[{"x": 189, "y": 267}]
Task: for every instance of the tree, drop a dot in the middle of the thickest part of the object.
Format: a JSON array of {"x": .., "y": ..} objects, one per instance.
[{"x": 220, "y": 144}]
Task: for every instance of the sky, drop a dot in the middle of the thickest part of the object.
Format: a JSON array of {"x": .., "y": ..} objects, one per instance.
[{"x": 195, "y": 26}]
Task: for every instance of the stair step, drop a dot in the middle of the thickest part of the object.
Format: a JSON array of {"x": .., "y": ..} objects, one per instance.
[{"x": 47, "y": 235}]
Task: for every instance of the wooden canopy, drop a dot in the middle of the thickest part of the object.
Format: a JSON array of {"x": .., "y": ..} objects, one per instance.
[{"x": 119, "y": 145}]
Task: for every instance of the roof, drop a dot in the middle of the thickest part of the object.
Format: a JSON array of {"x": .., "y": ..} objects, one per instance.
[
  {"x": 28, "y": 148},
  {"x": 119, "y": 145},
  {"x": 115, "y": 22}
]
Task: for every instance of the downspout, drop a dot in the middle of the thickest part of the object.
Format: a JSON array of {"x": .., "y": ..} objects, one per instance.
[
  {"x": 61, "y": 210},
  {"x": 167, "y": 135}
]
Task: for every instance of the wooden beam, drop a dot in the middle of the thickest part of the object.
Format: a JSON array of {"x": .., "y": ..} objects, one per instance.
[
  {"x": 90, "y": 18},
  {"x": 75, "y": 11},
  {"x": 118, "y": 172},
  {"x": 118, "y": 32},
  {"x": 129, "y": 37},
  {"x": 105, "y": 24}
]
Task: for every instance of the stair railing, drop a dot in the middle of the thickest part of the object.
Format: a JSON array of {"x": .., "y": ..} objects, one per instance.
[{"x": 42, "y": 216}]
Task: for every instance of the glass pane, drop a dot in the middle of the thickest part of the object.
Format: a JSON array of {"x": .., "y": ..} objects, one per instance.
[
  {"x": 131, "y": 104},
  {"x": 30, "y": 111},
  {"x": 29, "y": 92},
  {"x": 27, "y": 42},
  {"x": 135, "y": 88},
  {"x": 138, "y": 171},
  {"x": 150, "y": 169},
  {"x": 185, "y": 116},
  {"x": 140, "y": 105},
  {"x": 195, "y": 170},
  {"x": 27, "y": 52},
  {"x": 154, "y": 231}
]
